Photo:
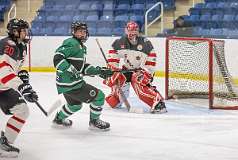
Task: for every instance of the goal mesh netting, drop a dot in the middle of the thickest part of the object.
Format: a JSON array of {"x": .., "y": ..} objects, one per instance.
[{"x": 196, "y": 68}]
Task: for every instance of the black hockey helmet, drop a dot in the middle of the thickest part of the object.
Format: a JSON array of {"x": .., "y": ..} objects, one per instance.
[
  {"x": 16, "y": 24},
  {"x": 77, "y": 25}
]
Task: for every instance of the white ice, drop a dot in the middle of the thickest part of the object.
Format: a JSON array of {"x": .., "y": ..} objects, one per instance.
[{"x": 184, "y": 133}]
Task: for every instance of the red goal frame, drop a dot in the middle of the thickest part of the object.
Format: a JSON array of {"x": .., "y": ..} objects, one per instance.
[{"x": 210, "y": 70}]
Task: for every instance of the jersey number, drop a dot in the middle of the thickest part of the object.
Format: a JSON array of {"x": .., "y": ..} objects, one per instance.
[{"x": 9, "y": 50}]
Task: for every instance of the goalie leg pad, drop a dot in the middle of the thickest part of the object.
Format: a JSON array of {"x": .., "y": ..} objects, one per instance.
[
  {"x": 113, "y": 101},
  {"x": 147, "y": 94},
  {"x": 114, "y": 79}
]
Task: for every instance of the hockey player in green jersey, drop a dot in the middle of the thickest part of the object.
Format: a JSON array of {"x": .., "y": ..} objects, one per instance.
[{"x": 71, "y": 66}]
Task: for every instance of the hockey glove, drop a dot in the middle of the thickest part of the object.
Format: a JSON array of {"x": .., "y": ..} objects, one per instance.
[
  {"x": 24, "y": 76},
  {"x": 104, "y": 72},
  {"x": 27, "y": 92},
  {"x": 74, "y": 71}
]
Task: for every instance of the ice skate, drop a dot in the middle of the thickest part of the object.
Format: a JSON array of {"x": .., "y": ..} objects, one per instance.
[
  {"x": 7, "y": 150},
  {"x": 97, "y": 124},
  {"x": 159, "y": 108},
  {"x": 62, "y": 122}
]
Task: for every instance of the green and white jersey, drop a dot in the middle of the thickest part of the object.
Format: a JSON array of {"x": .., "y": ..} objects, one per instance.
[{"x": 71, "y": 52}]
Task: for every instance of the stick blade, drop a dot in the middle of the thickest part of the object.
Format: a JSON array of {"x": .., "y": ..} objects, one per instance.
[{"x": 58, "y": 103}]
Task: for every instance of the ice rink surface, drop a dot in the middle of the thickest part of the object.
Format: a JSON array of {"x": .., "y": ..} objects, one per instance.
[{"x": 184, "y": 133}]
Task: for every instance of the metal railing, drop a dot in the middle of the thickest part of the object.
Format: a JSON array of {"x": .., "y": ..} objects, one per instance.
[
  {"x": 161, "y": 16},
  {"x": 28, "y": 5},
  {"x": 13, "y": 7}
]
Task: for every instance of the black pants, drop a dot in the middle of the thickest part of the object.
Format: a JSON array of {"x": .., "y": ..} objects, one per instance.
[
  {"x": 86, "y": 94},
  {"x": 8, "y": 99}
]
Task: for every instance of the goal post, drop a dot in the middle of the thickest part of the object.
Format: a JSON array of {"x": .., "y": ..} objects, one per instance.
[{"x": 196, "y": 68}]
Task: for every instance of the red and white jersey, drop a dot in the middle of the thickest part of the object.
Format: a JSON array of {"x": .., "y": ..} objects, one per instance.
[
  {"x": 11, "y": 59},
  {"x": 141, "y": 55}
]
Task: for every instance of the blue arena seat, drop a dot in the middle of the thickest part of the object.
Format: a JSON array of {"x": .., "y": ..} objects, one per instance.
[
  {"x": 92, "y": 31},
  {"x": 58, "y": 8},
  {"x": 104, "y": 31},
  {"x": 78, "y": 18},
  {"x": 138, "y": 9},
  {"x": 92, "y": 18},
  {"x": 86, "y": 6},
  {"x": 36, "y": 31},
  {"x": 52, "y": 18},
  {"x": 211, "y": 5},
  {"x": 139, "y": 2},
  {"x": 97, "y": 6},
  {"x": 61, "y": 31},
  {"x": 108, "y": 6},
  {"x": 104, "y": 24},
  {"x": 107, "y": 18},
  {"x": 65, "y": 18},
  {"x": 122, "y": 18},
  {"x": 118, "y": 31},
  {"x": 119, "y": 24},
  {"x": 71, "y": 7}
]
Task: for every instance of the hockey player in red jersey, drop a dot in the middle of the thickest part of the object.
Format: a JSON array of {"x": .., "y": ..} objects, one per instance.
[
  {"x": 14, "y": 84},
  {"x": 137, "y": 53}
]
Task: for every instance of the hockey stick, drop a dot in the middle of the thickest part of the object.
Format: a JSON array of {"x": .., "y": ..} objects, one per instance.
[
  {"x": 41, "y": 108},
  {"x": 53, "y": 107},
  {"x": 122, "y": 95}
]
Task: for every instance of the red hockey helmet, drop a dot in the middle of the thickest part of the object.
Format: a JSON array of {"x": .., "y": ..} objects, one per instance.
[{"x": 132, "y": 31}]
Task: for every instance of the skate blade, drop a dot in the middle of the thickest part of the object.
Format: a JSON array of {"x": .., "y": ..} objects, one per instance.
[
  {"x": 92, "y": 128},
  {"x": 57, "y": 126},
  {"x": 4, "y": 154},
  {"x": 164, "y": 110}
]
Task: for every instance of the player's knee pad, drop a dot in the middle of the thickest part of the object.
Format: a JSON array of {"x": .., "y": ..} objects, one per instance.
[
  {"x": 20, "y": 110},
  {"x": 113, "y": 101},
  {"x": 99, "y": 100}
]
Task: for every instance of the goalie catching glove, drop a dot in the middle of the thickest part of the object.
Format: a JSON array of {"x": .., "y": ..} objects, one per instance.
[{"x": 27, "y": 92}]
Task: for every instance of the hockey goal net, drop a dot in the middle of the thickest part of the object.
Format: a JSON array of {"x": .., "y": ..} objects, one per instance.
[{"x": 196, "y": 69}]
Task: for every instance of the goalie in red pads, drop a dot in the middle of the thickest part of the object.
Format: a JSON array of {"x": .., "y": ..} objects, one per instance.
[{"x": 137, "y": 53}]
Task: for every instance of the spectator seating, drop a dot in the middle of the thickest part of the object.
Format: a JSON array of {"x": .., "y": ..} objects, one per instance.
[
  {"x": 94, "y": 12},
  {"x": 4, "y": 6},
  {"x": 214, "y": 18}
]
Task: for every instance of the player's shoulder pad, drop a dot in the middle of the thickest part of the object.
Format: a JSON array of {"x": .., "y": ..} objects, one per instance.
[
  {"x": 11, "y": 42},
  {"x": 118, "y": 42},
  {"x": 147, "y": 43},
  {"x": 70, "y": 42},
  {"x": 7, "y": 41}
]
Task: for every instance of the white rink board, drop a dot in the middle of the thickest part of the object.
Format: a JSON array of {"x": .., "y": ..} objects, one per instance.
[{"x": 43, "y": 48}]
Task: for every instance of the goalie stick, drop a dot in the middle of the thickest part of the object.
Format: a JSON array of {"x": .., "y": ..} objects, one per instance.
[{"x": 122, "y": 95}]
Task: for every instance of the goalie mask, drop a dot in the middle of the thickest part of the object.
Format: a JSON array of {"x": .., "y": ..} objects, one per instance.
[
  {"x": 18, "y": 30},
  {"x": 79, "y": 31},
  {"x": 132, "y": 32}
]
